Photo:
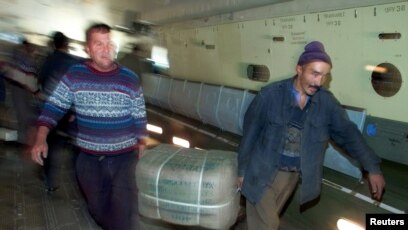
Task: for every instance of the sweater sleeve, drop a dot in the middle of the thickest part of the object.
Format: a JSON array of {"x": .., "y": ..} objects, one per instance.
[
  {"x": 57, "y": 105},
  {"x": 139, "y": 113}
]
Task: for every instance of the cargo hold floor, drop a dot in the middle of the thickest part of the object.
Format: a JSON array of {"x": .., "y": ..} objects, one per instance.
[{"x": 25, "y": 205}]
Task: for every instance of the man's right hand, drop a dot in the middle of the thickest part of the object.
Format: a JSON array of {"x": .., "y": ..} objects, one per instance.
[
  {"x": 38, "y": 152},
  {"x": 40, "y": 147}
]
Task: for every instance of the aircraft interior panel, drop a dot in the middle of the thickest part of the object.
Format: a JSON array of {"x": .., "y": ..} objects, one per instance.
[
  {"x": 248, "y": 97},
  {"x": 351, "y": 25},
  {"x": 360, "y": 50},
  {"x": 207, "y": 63},
  {"x": 255, "y": 52},
  {"x": 345, "y": 25},
  {"x": 178, "y": 96},
  {"x": 188, "y": 50},
  {"x": 150, "y": 87},
  {"x": 278, "y": 46},
  {"x": 177, "y": 57},
  {"x": 229, "y": 109},
  {"x": 230, "y": 52},
  {"x": 390, "y": 49},
  {"x": 388, "y": 138},
  {"x": 208, "y": 104},
  {"x": 337, "y": 159},
  {"x": 193, "y": 90},
  {"x": 163, "y": 92}
]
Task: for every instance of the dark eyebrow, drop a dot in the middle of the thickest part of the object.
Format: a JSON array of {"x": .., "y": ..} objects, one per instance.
[{"x": 317, "y": 72}]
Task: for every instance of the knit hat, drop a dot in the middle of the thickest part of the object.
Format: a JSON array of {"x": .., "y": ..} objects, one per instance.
[{"x": 314, "y": 51}]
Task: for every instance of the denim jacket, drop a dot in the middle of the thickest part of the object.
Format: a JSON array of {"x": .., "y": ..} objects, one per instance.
[{"x": 263, "y": 139}]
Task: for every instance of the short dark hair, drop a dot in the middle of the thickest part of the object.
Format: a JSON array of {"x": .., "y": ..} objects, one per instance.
[
  {"x": 60, "y": 40},
  {"x": 137, "y": 47},
  {"x": 97, "y": 27}
]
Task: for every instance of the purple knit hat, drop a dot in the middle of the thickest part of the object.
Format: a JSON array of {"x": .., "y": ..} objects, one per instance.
[{"x": 314, "y": 51}]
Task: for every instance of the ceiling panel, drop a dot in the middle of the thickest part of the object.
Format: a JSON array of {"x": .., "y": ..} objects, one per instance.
[{"x": 169, "y": 11}]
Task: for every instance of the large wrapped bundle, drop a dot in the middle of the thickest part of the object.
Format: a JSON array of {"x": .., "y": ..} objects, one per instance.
[{"x": 188, "y": 186}]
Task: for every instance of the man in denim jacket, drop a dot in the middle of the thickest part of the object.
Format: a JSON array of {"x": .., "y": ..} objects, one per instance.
[{"x": 286, "y": 132}]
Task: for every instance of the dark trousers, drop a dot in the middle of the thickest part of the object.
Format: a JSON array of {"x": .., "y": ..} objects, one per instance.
[
  {"x": 109, "y": 186},
  {"x": 52, "y": 163},
  {"x": 57, "y": 140}
]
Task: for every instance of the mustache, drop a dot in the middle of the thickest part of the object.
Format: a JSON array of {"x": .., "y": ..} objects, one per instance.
[
  {"x": 315, "y": 86},
  {"x": 110, "y": 56}
]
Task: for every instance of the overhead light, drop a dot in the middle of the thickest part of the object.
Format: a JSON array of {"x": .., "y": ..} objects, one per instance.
[
  {"x": 155, "y": 129},
  {"x": 181, "y": 142},
  {"x": 344, "y": 224}
]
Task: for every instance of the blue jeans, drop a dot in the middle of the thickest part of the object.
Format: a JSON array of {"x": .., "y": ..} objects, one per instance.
[{"x": 109, "y": 186}]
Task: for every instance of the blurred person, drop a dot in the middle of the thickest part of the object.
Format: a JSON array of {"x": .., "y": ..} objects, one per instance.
[
  {"x": 24, "y": 66},
  {"x": 111, "y": 130},
  {"x": 286, "y": 131},
  {"x": 137, "y": 60},
  {"x": 51, "y": 72},
  {"x": 2, "y": 88}
]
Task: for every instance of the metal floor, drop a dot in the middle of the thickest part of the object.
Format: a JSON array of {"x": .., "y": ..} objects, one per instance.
[
  {"x": 342, "y": 196},
  {"x": 25, "y": 205}
]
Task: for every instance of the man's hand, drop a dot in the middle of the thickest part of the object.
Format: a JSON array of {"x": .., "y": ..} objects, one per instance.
[
  {"x": 40, "y": 147},
  {"x": 38, "y": 152},
  {"x": 141, "y": 149},
  {"x": 240, "y": 181},
  {"x": 377, "y": 184}
]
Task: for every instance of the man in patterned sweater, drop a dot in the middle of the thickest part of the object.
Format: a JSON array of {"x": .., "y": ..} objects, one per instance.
[{"x": 111, "y": 125}]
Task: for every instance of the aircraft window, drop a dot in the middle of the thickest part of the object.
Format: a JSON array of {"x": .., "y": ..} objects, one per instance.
[
  {"x": 386, "y": 79},
  {"x": 159, "y": 57},
  {"x": 11, "y": 37},
  {"x": 258, "y": 73}
]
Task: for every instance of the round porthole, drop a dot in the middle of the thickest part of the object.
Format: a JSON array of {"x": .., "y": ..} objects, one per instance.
[
  {"x": 258, "y": 73},
  {"x": 386, "y": 79}
]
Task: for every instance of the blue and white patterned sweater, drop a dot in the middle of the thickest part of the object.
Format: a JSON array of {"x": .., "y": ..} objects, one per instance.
[{"x": 109, "y": 108}]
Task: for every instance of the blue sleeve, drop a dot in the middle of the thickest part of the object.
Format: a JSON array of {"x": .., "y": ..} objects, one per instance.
[
  {"x": 57, "y": 105},
  {"x": 254, "y": 121},
  {"x": 347, "y": 135}
]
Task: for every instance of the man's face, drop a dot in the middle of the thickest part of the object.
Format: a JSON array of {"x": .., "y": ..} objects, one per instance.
[
  {"x": 101, "y": 50},
  {"x": 311, "y": 77}
]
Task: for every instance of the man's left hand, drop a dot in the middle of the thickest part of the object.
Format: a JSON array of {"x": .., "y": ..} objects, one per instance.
[{"x": 377, "y": 184}]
